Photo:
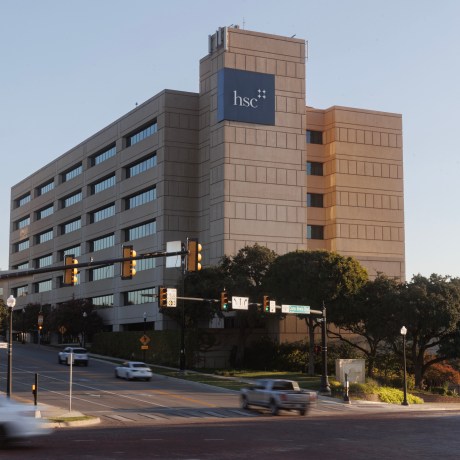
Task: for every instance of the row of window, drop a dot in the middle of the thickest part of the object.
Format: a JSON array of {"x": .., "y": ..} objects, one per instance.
[
  {"x": 76, "y": 197},
  {"x": 96, "y": 159}
]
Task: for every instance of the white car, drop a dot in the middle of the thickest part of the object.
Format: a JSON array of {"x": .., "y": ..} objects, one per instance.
[
  {"x": 18, "y": 422},
  {"x": 80, "y": 356},
  {"x": 133, "y": 370}
]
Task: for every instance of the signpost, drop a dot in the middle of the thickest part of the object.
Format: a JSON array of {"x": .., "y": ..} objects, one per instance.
[
  {"x": 240, "y": 303},
  {"x": 297, "y": 309},
  {"x": 171, "y": 297}
]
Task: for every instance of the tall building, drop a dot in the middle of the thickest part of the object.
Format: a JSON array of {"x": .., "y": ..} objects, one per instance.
[{"x": 244, "y": 161}]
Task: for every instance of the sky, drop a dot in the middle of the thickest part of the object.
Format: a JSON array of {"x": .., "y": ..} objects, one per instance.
[{"x": 70, "y": 67}]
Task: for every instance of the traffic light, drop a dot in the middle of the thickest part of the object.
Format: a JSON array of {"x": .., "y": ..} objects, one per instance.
[
  {"x": 266, "y": 304},
  {"x": 194, "y": 255},
  {"x": 224, "y": 301},
  {"x": 128, "y": 266},
  {"x": 163, "y": 297},
  {"x": 70, "y": 274}
]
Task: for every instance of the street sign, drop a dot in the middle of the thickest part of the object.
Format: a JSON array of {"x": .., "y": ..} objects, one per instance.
[
  {"x": 144, "y": 347},
  {"x": 3, "y": 345},
  {"x": 173, "y": 261},
  {"x": 240, "y": 303},
  {"x": 272, "y": 306},
  {"x": 62, "y": 329},
  {"x": 145, "y": 339},
  {"x": 171, "y": 297},
  {"x": 297, "y": 309}
]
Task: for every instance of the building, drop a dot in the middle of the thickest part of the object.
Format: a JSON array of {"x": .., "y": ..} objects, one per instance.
[{"x": 244, "y": 161}]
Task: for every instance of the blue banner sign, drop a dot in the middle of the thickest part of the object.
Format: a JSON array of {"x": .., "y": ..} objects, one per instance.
[{"x": 246, "y": 96}]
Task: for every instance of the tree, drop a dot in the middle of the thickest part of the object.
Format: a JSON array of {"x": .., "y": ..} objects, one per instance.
[
  {"x": 430, "y": 310},
  {"x": 315, "y": 278}
]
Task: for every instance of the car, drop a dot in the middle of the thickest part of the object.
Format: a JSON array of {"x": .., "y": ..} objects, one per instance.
[
  {"x": 133, "y": 370},
  {"x": 80, "y": 356},
  {"x": 18, "y": 422}
]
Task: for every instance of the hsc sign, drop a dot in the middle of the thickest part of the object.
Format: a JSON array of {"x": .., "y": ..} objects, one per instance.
[{"x": 246, "y": 96}]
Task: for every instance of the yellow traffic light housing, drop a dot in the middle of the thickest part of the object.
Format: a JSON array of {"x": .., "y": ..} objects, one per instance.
[
  {"x": 194, "y": 256},
  {"x": 266, "y": 304},
  {"x": 163, "y": 297},
  {"x": 224, "y": 301},
  {"x": 128, "y": 269},
  {"x": 70, "y": 274}
]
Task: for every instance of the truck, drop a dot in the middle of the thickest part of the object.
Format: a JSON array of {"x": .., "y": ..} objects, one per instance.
[{"x": 278, "y": 394}]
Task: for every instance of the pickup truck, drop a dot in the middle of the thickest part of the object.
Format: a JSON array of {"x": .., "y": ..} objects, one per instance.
[{"x": 276, "y": 394}]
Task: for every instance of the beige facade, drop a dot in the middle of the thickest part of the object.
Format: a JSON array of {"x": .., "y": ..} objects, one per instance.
[{"x": 171, "y": 169}]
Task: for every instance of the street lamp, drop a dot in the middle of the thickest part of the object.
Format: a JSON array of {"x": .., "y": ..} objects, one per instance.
[
  {"x": 143, "y": 349},
  {"x": 403, "y": 333},
  {"x": 84, "y": 329},
  {"x": 11, "y": 302},
  {"x": 23, "y": 326}
]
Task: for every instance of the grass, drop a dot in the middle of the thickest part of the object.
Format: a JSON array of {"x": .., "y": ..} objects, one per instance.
[{"x": 71, "y": 419}]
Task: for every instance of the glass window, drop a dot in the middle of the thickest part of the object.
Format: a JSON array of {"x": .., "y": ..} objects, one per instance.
[
  {"x": 21, "y": 291},
  {"x": 141, "y": 166},
  {"x": 107, "y": 241},
  {"x": 140, "y": 231},
  {"x": 43, "y": 286},
  {"x": 71, "y": 173},
  {"x": 314, "y": 137},
  {"x": 103, "y": 301},
  {"x": 22, "y": 200},
  {"x": 104, "y": 155},
  {"x": 72, "y": 251},
  {"x": 139, "y": 297},
  {"x": 101, "y": 273},
  {"x": 71, "y": 226},
  {"x": 22, "y": 266},
  {"x": 71, "y": 199},
  {"x": 24, "y": 222},
  {"x": 103, "y": 184},
  {"x": 21, "y": 245},
  {"x": 44, "y": 236},
  {"x": 145, "y": 264},
  {"x": 102, "y": 213},
  {"x": 314, "y": 200},
  {"x": 141, "y": 198},
  {"x": 44, "y": 261},
  {"x": 45, "y": 212},
  {"x": 45, "y": 188},
  {"x": 314, "y": 168},
  {"x": 315, "y": 232},
  {"x": 142, "y": 133}
]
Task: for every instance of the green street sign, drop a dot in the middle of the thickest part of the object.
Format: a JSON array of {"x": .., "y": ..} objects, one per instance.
[{"x": 296, "y": 309}]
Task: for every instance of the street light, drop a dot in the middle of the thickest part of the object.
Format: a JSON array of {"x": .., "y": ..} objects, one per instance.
[
  {"x": 11, "y": 302},
  {"x": 23, "y": 326},
  {"x": 84, "y": 329},
  {"x": 143, "y": 349},
  {"x": 403, "y": 333}
]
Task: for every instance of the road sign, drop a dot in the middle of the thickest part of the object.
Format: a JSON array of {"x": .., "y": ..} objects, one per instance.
[
  {"x": 173, "y": 261},
  {"x": 3, "y": 344},
  {"x": 171, "y": 297},
  {"x": 62, "y": 329},
  {"x": 272, "y": 306},
  {"x": 297, "y": 309},
  {"x": 145, "y": 339},
  {"x": 144, "y": 347},
  {"x": 240, "y": 303}
]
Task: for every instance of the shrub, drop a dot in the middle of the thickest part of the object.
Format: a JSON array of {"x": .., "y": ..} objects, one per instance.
[
  {"x": 441, "y": 374},
  {"x": 394, "y": 396}
]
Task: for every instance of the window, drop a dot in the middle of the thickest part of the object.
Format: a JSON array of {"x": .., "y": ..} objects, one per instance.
[
  {"x": 23, "y": 266},
  {"x": 104, "y": 155},
  {"x": 20, "y": 291},
  {"x": 141, "y": 134},
  {"x": 21, "y": 245},
  {"x": 314, "y": 137},
  {"x": 71, "y": 199},
  {"x": 101, "y": 273},
  {"x": 101, "y": 214},
  {"x": 44, "y": 236},
  {"x": 140, "y": 231},
  {"x": 103, "y": 301},
  {"x": 47, "y": 187},
  {"x": 24, "y": 222},
  {"x": 314, "y": 168},
  {"x": 107, "y": 241},
  {"x": 145, "y": 264},
  {"x": 72, "y": 251},
  {"x": 71, "y": 226},
  {"x": 103, "y": 184},
  {"x": 314, "y": 200},
  {"x": 43, "y": 286},
  {"x": 139, "y": 297},
  {"x": 44, "y": 261},
  {"x": 22, "y": 200},
  {"x": 45, "y": 212},
  {"x": 71, "y": 173},
  {"x": 141, "y": 198},
  {"x": 315, "y": 232},
  {"x": 141, "y": 166}
]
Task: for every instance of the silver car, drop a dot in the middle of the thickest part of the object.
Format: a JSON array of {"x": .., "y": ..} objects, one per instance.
[
  {"x": 79, "y": 355},
  {"x": 18, "y": 422},
  {"x": 133, "y": 370}
]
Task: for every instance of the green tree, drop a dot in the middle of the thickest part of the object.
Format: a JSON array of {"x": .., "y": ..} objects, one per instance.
[{"x": 315, "y": 278}]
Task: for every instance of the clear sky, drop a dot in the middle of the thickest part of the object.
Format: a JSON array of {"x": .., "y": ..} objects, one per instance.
[{"x": 70, "y": 67}]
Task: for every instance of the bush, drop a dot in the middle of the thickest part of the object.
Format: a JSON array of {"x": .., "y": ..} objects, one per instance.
[
  {"x": 441, "y": 374},
  {"x": 394, "y": 396}
]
